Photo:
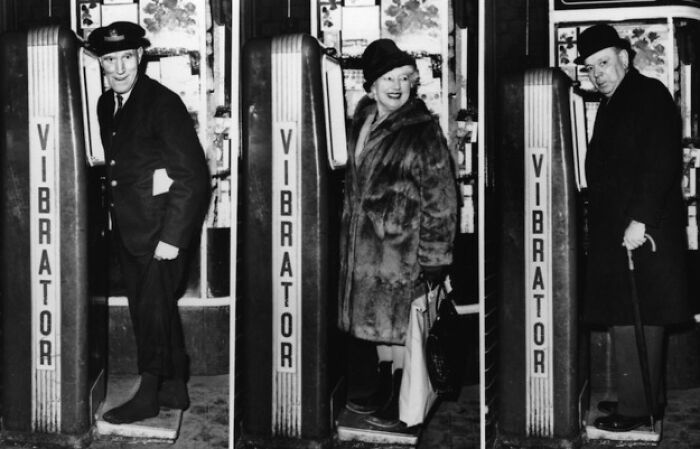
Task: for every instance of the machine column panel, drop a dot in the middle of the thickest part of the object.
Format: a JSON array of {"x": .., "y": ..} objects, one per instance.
[
  {"x": 285, "y": 247},
  {"x": 538, "y": 331},
  {"x": 43, "y": 230}
]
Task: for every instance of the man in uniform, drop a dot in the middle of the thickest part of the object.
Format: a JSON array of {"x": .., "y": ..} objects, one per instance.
[{"x": 159, "y": 188}]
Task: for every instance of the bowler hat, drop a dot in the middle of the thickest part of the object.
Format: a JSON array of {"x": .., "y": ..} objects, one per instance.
[
  {"x": 598, "y": 37},
  {"x": 382, "y": 56},
  {"x": 117, "y": 36}
]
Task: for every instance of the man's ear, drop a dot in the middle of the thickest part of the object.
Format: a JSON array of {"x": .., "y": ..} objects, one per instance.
[
  {"x": 139, "y": 52},
  {"x": 625, "y": 58}
]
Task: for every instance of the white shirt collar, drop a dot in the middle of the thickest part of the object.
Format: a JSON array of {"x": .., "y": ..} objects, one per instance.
[{"x": 125, "y": 96}]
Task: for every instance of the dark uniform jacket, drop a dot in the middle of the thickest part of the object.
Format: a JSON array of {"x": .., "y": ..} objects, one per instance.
[
  {"x": 400, "y": 213},
  {"x": 153, "y": 131},
  {"x": 634, "y": 169}
]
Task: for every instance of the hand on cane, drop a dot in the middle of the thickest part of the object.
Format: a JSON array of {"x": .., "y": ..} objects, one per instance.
[{"x": 634, "y": 235}]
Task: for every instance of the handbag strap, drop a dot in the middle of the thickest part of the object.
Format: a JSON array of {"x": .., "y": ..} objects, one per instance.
[
  {"x": 427, "y": 299},
  {"x": 441, "y": 296}
]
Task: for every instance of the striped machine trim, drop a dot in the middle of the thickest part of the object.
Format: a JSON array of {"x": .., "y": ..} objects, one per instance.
[
  {"x": 538, "y": 253},
  {"x": 43, "y": 82},
  {"x": 286, "y": 250}
]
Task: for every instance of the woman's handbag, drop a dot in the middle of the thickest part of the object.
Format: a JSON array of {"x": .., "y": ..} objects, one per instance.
[
  {"x": 417, "y": 395},
  {"x": 442, "y": 352}
]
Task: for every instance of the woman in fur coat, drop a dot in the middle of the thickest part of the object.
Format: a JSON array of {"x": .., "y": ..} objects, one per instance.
[{"x": 399, "y": 217}]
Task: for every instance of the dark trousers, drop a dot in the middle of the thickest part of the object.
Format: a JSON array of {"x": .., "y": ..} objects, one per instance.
[
  {"x": 152, "y": 287},
  {"x": 630, "y": 384}
]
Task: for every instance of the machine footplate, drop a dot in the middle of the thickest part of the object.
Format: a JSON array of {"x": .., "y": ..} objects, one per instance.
[
  {"x": 353, "y": 427},
  {"x": 642, "y": 435},
  {"x": 165, "y": 426}
]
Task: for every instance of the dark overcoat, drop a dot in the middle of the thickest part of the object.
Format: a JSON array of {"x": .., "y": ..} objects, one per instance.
[
  {"x": 153, "y": 131},
  {"x": 400, "y": 214},
  {"x": 633, "y": 170}
]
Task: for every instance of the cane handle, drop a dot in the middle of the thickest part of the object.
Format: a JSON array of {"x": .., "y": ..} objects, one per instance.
[
  {"x": 630, "y": 262},
  {"x": 651, "y": 242}
]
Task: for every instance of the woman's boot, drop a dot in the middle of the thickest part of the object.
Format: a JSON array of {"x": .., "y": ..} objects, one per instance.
[
  {"x": 378, "y": 398},
  {"x": 388, "y": 416}
]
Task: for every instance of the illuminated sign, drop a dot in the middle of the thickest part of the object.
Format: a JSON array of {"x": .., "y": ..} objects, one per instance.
[
  {"x": 286, "y": 251},
  {"x": 45, "y": 242},
  {"x": 286, "y": 220},
  {"x": 45, "y": 266},
  {"x": 537, "y": 260},
  {"x": 45, "y": 228},
  {"x": 538, "y": 291},
  {"x": 539, "y": 390}
]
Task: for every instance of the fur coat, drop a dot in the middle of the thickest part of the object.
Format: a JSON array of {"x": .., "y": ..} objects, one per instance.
[{"x": 399, "y": 214}]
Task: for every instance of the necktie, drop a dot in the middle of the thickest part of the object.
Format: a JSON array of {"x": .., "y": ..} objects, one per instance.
[{"x": 120, "y": 102}]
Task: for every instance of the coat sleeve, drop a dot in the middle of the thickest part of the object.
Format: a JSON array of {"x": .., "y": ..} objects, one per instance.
[
  {"x": 103, "y": 109},
  {"x": 658, "y": 168},
  {"x": 438, "y": 200},
  {"x": 188, "y": 196}
]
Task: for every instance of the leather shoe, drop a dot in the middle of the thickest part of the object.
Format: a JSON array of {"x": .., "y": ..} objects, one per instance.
[
  {"x": 607, "y": 407},
  {"x": 620, "y": 423},
  {"x": 386, "y": 423},
  {"x": 173, "y": 395}
]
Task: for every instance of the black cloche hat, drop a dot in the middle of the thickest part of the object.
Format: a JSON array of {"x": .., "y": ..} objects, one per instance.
[
  {"x": 117, "y": 36},
  {"x": 598, "y": 37},
  {"x": 382, "y": 56}
]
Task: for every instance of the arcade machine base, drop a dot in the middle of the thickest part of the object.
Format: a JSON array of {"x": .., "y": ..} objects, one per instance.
[
  {"x": 353, "y": 427},
  {"x": 165, "y": 426},
  {"x": 641, "y": 436}
]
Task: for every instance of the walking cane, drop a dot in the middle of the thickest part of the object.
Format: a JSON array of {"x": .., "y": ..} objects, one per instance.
[{"x": 639, "y": 335}]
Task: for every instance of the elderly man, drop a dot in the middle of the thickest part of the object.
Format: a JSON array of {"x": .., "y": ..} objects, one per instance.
[
  {"x": 633, "y": 169},
  {"x": 158, "y": 188}
]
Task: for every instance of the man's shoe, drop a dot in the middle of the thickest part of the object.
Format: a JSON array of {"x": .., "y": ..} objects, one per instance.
[
  {"x": 621, "y": 423},
  {"x": 608, "y": 407},
  {"x": 173, "y": 394},
  {"x": 143, "y": 405},
  {"x": 131, "y": 411}
]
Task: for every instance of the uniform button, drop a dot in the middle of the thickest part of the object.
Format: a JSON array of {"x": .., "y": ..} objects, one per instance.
[
  {"x": 111, "y": 204},
  {"x": 112, "y": 162},
  {"x": 114, "y": 183}
]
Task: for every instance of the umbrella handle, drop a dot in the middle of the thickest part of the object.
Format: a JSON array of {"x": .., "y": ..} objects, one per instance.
[{"x": 630, "y": 262}]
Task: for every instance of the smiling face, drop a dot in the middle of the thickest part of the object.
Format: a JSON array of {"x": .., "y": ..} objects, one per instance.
[
  {"x": 606, "y": 69},
  {"x": 393, "y": 89},
  {"x": 121, "y": 68}
]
